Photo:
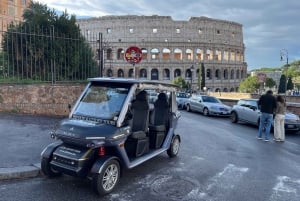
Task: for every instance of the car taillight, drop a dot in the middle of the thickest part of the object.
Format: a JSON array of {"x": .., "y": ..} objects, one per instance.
[{"x": 101, "y": 151}]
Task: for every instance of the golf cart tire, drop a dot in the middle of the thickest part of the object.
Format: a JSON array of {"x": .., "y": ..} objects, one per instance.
[
  {"x": 174, "y": 146},
  {"x": 104, "y": 182},
  {"x": 47, "y": 170}
]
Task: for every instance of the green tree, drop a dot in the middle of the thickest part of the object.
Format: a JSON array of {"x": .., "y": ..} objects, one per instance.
[
  {"x": 270, "y": 82},
  {"x": 46, "y": 44},
  {"x": 249, "y": 85},
  {"x": 180, "y": 82},
  {"x": 282, "y": 84},
  {"x": 290, "y": 84}
]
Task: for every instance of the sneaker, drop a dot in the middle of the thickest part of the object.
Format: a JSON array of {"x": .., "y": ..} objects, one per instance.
[
  {"x": 259, "y": 138},
  {"x": 277, "y": 140},
  {"x": 266, "y": 140}
]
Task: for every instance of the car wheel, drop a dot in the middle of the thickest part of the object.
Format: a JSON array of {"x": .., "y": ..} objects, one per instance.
[
  {"x": 174, "y": 147},
  {"x": 48, "y": 170},
  {"x": 105, "y": 181},
  {"x": 205, "y": 112},
  {"x": 188, "y": 108},
  {"x": 234, "y": 118}
]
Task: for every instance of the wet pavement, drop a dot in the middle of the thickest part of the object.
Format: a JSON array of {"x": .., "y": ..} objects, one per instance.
[{"x": 22, "y": 139}]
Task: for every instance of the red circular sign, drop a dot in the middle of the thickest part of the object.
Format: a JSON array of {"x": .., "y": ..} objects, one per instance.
[{"x": 133, "y": 54}]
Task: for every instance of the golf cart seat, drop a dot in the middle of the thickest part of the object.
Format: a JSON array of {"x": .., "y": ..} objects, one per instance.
[
  {"x": 138, "y": 142},
  {"x": 157, "y": 130}
]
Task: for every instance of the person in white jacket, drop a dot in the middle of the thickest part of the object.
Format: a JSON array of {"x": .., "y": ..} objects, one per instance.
[{"x": 279, "y": 132}]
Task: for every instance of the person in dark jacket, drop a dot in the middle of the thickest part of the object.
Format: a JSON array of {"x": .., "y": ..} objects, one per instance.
[{"x": 267, "y": 104}]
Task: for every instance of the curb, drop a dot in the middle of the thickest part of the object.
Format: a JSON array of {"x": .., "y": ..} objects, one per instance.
[{"x": 21, "y": 172}]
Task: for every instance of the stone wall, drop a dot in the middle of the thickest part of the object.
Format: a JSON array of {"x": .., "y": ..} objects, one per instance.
[
  {"x": 39, "y": 99},
  {"x": 47, "y": 99}
]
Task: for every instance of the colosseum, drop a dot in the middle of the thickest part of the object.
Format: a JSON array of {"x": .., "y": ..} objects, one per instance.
[{"x": 170, "y": 48}]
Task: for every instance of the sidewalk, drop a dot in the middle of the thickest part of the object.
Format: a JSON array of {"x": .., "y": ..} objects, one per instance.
[{"x": 22, "y": 139}]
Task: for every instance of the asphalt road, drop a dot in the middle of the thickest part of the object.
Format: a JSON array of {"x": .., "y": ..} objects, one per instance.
[{"x": 218, "y": 160}]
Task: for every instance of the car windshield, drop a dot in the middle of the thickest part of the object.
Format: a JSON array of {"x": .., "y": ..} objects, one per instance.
[
  {"x": 210, "y": 99},
  {"x": 104, "y": 102},
  {"x": 182, "y": 95}
]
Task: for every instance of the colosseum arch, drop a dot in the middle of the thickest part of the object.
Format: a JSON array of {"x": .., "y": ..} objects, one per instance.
[
  {"x": 166, "y": 74},
  {"x": 188, "y": 74},
  {"x": 189, "y": 54},
  {"x": 154, "y": 54},
  {"x": 225, "y": 74},
  {"x": 231, "y": 89},
  {"x": 177, "y": 73},
  {"x": 166, "y": 54},
  {"x": 109, "y": 73},
  {"x": 120, "y": 54},
  {"x": 218, "y": 55},
  {"x": 120, "y": 73},
  {"x": 109, "y": 55},
  {"x": 143, "y": 73},
  {"x": 131, "y": 73},
  {"x": 218, "y": 74},
  {"x": 232, "y": 74},
  {"x": 218, "y": 90},
  {"x": 225, "y": 90},
  {"x": 199, "y": 54},
  {"x": 226, "y": 55},
  {"x": 144, "y": 53},
  {"x": 154, "y": 74},
  {"x": 208, "y": 74},
  {"x": 177, "y": 54},
  {"x": 232, "y": 55},
  {"x": 208, "y": 55}
]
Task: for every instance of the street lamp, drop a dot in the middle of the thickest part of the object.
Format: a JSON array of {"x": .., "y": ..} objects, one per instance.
[
  {"x": 284, "y": 53},
  {"x": 192, "y": 70}
]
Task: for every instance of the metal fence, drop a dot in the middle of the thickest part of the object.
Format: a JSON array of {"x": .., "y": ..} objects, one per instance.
[{"x": 45, "y": 56}]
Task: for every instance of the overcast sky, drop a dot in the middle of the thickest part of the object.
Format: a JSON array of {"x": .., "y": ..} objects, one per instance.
[{"x": 269, "y": 26}]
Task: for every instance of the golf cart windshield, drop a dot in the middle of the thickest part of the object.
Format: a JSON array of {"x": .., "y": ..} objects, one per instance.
[{"x": 104, "y": 102}]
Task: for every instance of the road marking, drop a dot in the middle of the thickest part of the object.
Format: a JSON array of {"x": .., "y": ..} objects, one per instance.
[
  {"x": 224, "y": 181},
  {"x": 286, "y": 189}
]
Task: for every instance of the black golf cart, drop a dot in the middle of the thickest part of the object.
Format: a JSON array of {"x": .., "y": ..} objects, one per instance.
[{"x": 113, "y": 126}]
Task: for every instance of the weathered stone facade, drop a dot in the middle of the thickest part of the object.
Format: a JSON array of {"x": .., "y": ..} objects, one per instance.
[
  {"x": 39, "y": 99},
  {"x": 170, "y": 48}
]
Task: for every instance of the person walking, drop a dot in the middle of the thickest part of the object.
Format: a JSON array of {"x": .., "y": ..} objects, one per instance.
[
  {"x": 279, "y": 134},
  {"x": 267, "y": 104}
]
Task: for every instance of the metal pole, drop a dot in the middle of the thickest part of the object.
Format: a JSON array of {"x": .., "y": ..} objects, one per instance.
[
  {"x": 100, "y": 55},
  {"x": 52, "y": 57}
]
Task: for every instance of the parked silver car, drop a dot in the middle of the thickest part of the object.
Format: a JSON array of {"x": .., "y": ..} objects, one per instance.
[
  {"x": 181, "y": 99},
  {"x": 208, "y": 105},
  {"x": 246, "y": 110}
]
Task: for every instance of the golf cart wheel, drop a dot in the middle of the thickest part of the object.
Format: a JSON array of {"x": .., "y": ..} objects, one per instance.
[
  {"x": 47, "y": 170},
  {"x": 105, "y": 181},
  {"x": 234, "y": 117},
  {"x": 174, "y": 147},
  {"x": 205, "y": 112}
]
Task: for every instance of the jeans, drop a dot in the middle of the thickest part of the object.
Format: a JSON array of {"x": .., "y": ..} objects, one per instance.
[{"x": 265, "y": 118}]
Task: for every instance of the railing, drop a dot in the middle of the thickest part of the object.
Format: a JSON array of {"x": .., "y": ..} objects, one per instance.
[{"x": 45, "y": 56}]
